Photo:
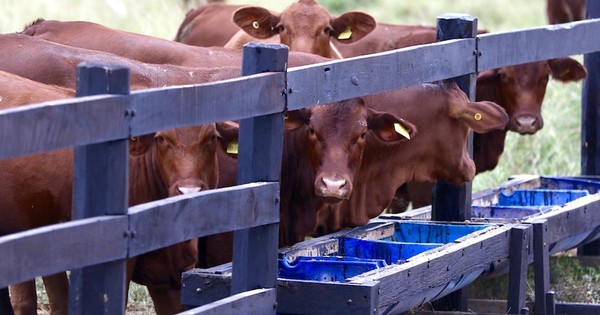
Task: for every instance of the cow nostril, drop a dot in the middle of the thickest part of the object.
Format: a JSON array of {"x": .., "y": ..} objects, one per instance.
[
  {"x": 188, "y": 189},
  {"x": 334, "y": 184}
]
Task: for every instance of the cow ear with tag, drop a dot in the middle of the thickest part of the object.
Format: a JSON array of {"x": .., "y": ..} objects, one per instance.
[
  {"x": 352, "y": 26},
  {"x": 139, "y": 145},
  {"x": 390, "y": 128},
  {"x": 228, "y": 136},
  {"x": 256, "y": 21},
  {"x": 482, "y": 117}
]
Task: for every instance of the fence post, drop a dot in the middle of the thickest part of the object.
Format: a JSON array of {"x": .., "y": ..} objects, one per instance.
[
  {"x": 5, "y": 306},
  {"x": 259, "y": 159},
  {"x": 451, "y": 202},
  {"x": 590, "y": 120},
  {"x": 100, "y": 188}
]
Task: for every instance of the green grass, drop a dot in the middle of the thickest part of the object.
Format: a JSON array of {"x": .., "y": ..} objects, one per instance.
[{"x": 554, "y": 150}]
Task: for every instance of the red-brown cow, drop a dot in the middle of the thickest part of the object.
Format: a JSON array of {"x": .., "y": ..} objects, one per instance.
[
  {"x": 304, "y": 26},
  {"x": 323, "y": 152},
  {"x": 144, "y": 48},
  {"x": 62, "y": 60},
  {"x": 519, "y": 89},
  {"x": 209, "y": 25},
  {"x": 437, "y": 110},
  {"x": 564, "y": 11}
]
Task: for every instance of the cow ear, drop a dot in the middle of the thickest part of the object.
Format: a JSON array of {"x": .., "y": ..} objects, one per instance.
[
  {"x": 296, "y": 119},
  {"x": 567, "y": 69},
  {"x": 256, "y": 21},
  {"x": 139, "y": 145},
  {"x": 389, "y": 127},
  {"x": 481, "y": 116},
  {"x": 352, "y": 26},
  {"x": 228, "y": 135}
]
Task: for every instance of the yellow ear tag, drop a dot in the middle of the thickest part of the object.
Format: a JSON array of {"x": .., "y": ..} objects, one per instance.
[
  {"x": 477, "y": 116},
  {"x": 401, "y": 130},
  {"x": 345, "y": 34},
  {"x": 232, "y": 147},
  {"x": 255, "y": 25}
]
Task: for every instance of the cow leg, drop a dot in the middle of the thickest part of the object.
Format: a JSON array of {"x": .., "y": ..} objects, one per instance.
[
  {"x": 24, "y": 298},
  {"x": 57, "y": 288},
  {"x": 166, "y": 301}
]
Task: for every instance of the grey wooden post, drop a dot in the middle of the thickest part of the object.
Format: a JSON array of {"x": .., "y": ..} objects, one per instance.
[
  {"x": 541, "y": 263},
  {"x": 520, "y": 236},
  {"x": 451, "y": 202},
  {"x": 259, "y": 159},
  {"x": 590, "y": 120},
  {"x": 100, "y": 188},
  {"x": 5, "y": 306}
]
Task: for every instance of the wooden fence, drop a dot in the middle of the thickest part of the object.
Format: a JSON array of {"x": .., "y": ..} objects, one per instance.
[{"x": 96, "y": 245}]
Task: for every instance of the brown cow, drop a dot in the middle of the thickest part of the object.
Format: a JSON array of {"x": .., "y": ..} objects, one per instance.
[
  {"x": 144, "y": 48},
  {"x": 519, "y": 89},
  {"x": 564, "y": 11},
  {"x": 437, "y": 110},
  {"x": 208, "y": 25},
  {"x": 303, "y": 26},
  {"x": 62, "y": 61}
]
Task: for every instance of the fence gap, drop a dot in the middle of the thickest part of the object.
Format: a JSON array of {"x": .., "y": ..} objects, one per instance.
[
  {"x": 100, "y": 188},
  {"x": 259, "y": 159},
  {"x": 590, "y": 120},
  {"x": 453, "y": 202}
]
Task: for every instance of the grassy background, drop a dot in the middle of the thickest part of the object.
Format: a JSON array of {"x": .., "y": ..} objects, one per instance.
[{"x": 553, "y": 150}]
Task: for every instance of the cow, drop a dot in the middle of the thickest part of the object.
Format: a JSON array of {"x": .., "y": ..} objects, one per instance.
[
  {"x": 437, "y": 110},
  {"x": 62, "y": 61},
  {"x": 209, "y": 25},
  {"x": 303, "y": 26},
  {"x": 147, "y": 49},
  {"x": 520, "y": 89},
  {"x": 564, "y": 11},
  {"x": 53, "y": 63}
]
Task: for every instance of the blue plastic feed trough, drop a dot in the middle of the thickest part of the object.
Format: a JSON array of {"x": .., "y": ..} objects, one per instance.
[
  {"x": 549, "y": 182},
  {"x": 523, "y": 203},
  {"x": 356, "y": 256},
  {"x": 540, "y": 197}
]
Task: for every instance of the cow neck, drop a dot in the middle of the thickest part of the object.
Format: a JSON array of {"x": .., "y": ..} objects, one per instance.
[{"x": 145, "y": 181}]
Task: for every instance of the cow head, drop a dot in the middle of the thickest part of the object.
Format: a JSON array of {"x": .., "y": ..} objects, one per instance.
[
  {"x": 337, "y": 135},
  {"x": 305, "y": 26},
  {"x": 520, "y": 89},
  {"x": 183, "y": 160}
]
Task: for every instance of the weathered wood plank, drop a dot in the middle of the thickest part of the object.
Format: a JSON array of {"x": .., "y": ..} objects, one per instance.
[
  {"x": 54, "y": 248},
  {"x": 171, "y": 107},
  {"x": 501, "y": 49},
  {"x": 579, "y": 216},
  {"x": 53, "y": 125},
  {"x": 259, "y": 301},
  {"x": 343, "y": 79},
  {"x": 311, "y": 297},
  {"x": 427, "y": 277},
  {"x": 520, "y": 238},
  {"x": 168, "y": 221}
]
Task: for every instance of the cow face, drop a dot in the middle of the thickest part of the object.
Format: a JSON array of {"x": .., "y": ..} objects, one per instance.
[
  {"x": 185, "y": 158},
  {"x": 337, "y": 135},
  {"x": 521, "y": 89},
  {"x": 305, "y": 26}
]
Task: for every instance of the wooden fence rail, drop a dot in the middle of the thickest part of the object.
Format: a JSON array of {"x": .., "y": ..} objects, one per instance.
[{"x": 258, "y": 101}]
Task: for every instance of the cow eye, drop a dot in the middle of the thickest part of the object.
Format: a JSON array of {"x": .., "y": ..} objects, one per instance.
[
  {"x": 160, "y": 139},
  {"x": 311, "y": 130},
  {"x": 363, "y": 135},
  {"x": 327, "y": 30},
  {"x": 279, "y": 28}
]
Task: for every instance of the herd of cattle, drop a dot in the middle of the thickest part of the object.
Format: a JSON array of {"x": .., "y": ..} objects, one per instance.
[{"x": 343, "y": 164}]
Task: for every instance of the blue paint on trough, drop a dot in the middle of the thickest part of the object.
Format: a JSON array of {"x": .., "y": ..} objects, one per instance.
[
  {"x": 356, "y": 256},
  {"x": 540, "y": 197}
]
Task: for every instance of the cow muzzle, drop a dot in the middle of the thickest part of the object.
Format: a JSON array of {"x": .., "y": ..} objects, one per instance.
[
  {"x": 526, "y": 124},
  {"x": 333, "y": 189}
]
